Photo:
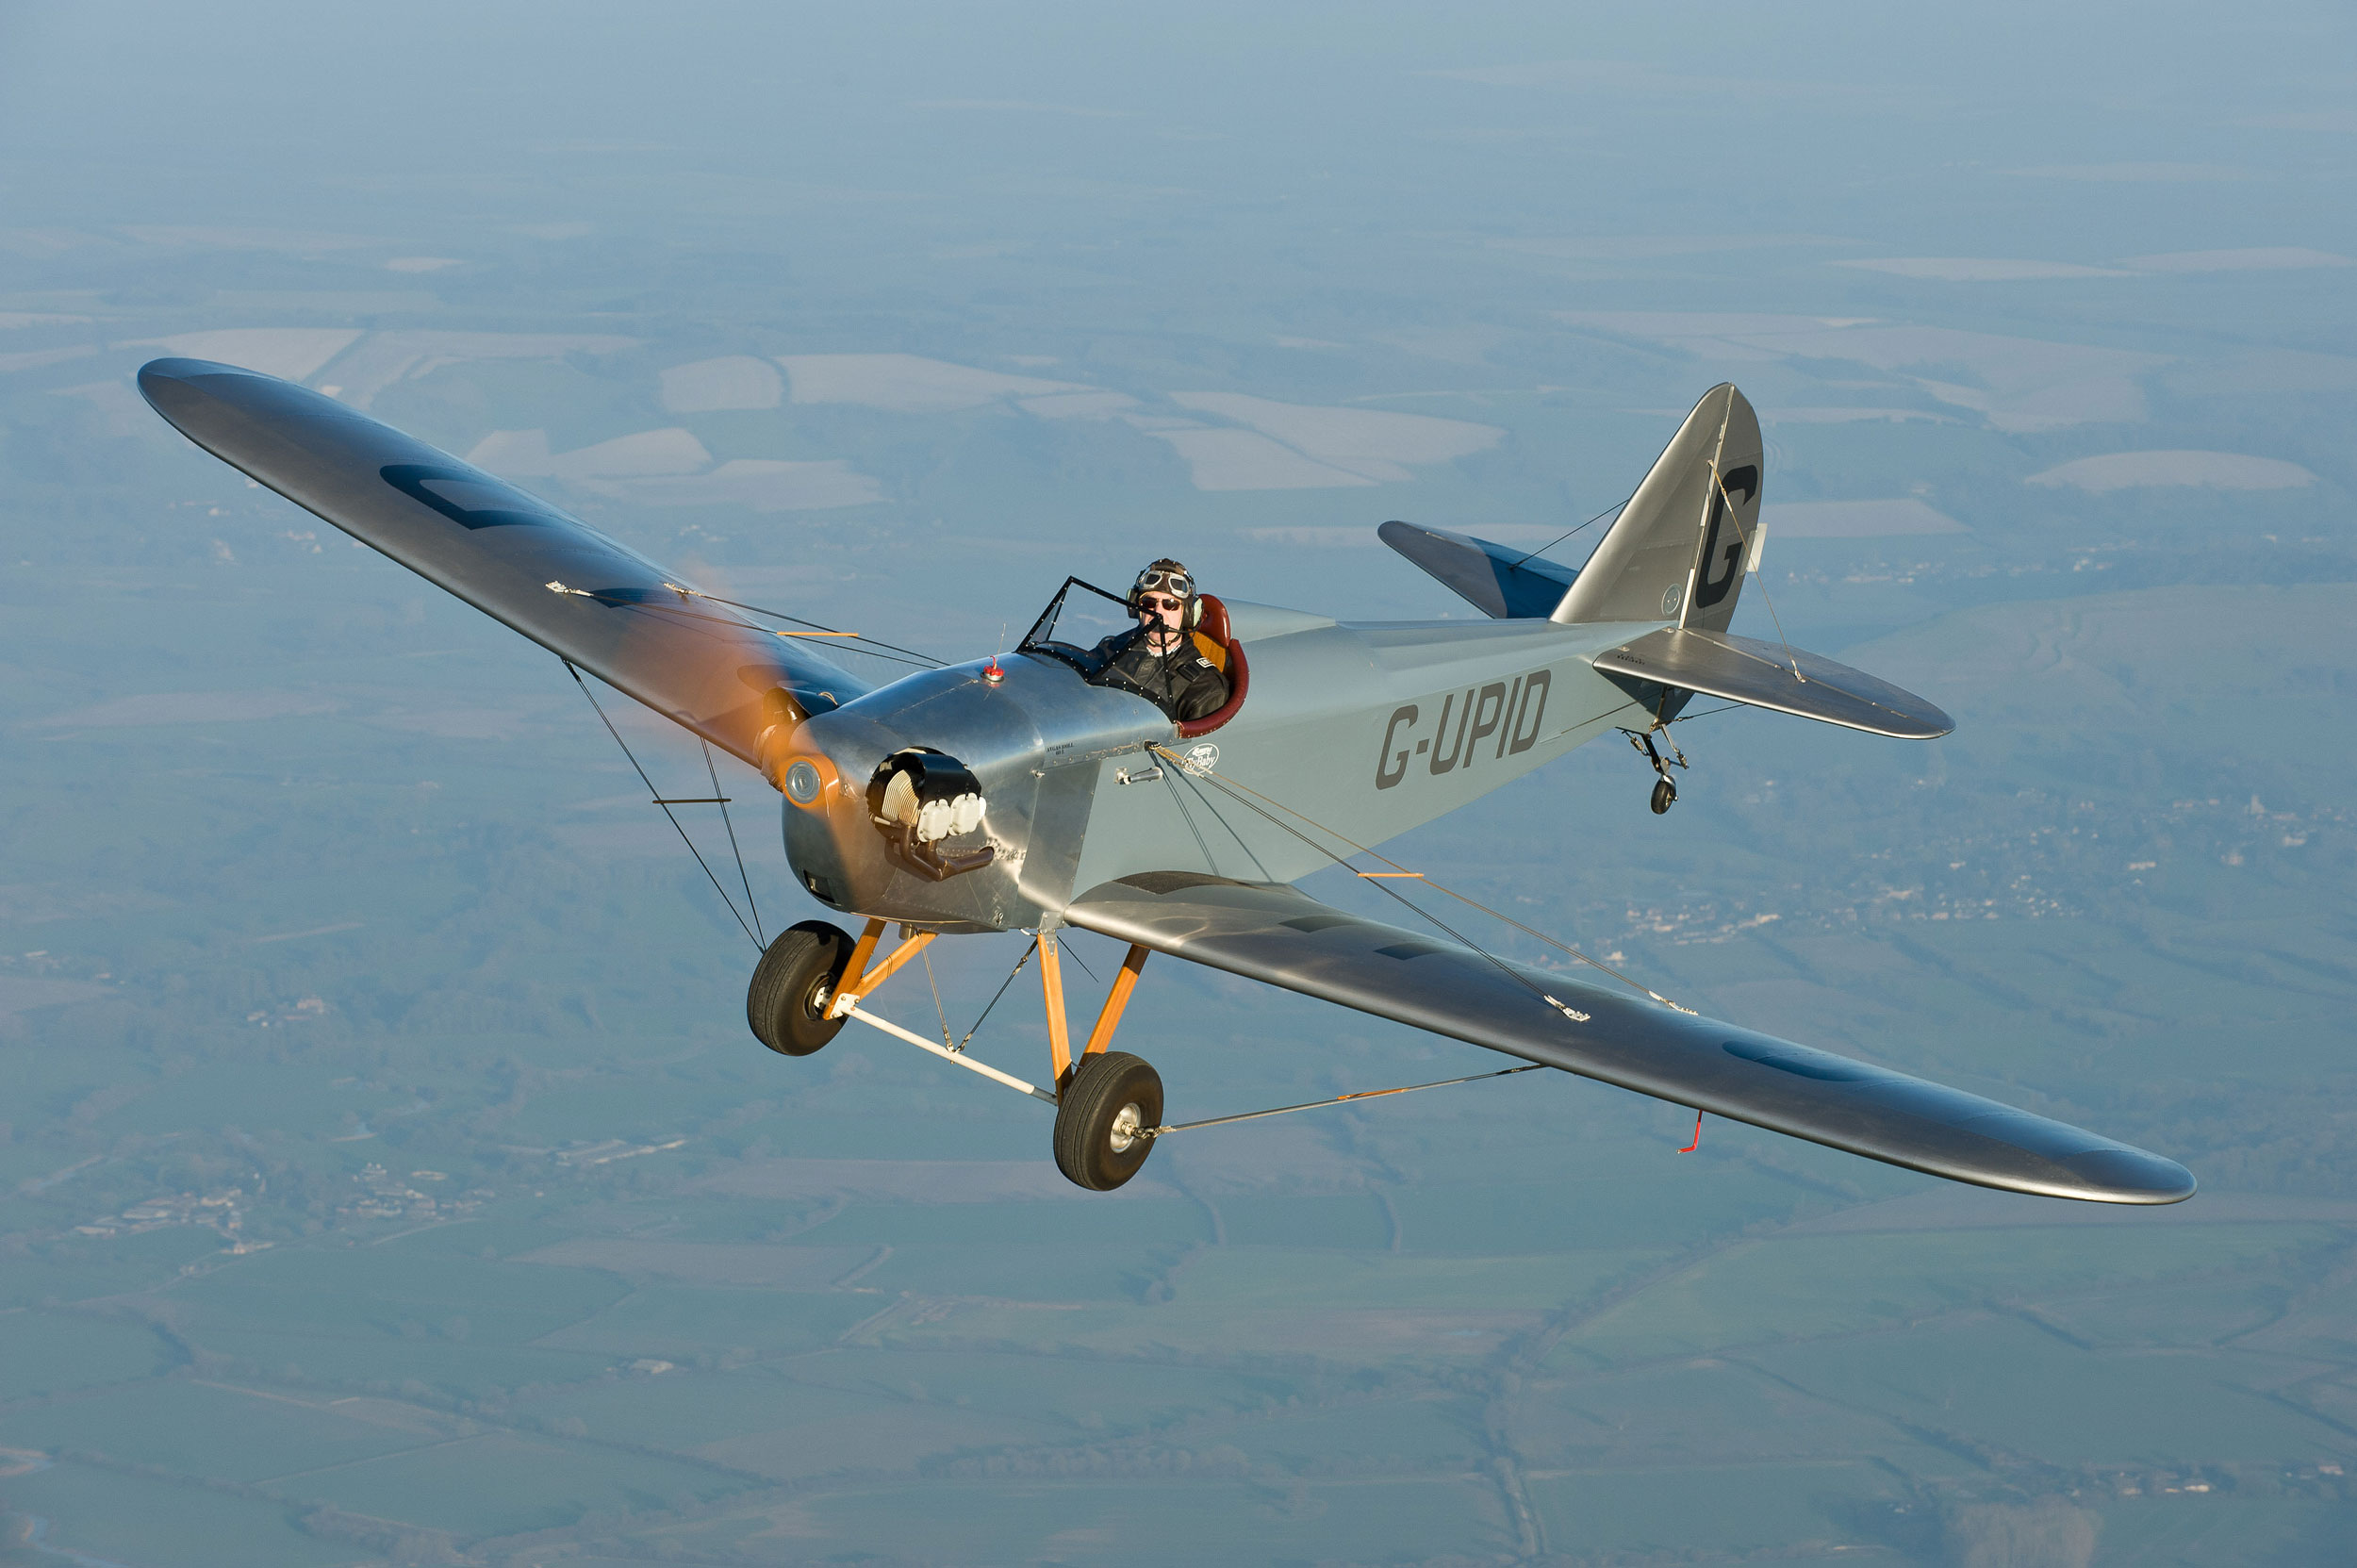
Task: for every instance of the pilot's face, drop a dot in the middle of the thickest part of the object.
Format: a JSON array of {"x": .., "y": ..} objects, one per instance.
[{"x": 1160, "y": 611}]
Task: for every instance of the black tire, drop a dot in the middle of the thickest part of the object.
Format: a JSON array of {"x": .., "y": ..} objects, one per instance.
[
  {"x": 1110, "y": 1100},
  {"x": 786, "y": 1002},
  {"x": 1665, "y": 795}
]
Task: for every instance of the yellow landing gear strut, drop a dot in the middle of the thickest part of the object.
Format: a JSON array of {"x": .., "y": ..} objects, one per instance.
[{"x": 1107, "y": 1103}]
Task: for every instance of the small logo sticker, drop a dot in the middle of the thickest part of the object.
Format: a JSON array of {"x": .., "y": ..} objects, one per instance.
[{"x": 1201, "y": 757}]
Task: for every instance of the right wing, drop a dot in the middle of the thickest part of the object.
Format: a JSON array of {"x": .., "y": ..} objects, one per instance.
[
  {"x": 511, "y": 555},
  {"x": 1278, "y": 934}
]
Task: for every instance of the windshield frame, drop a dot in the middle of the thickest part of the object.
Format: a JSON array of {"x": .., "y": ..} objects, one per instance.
[{"x": 1040, "y": 638}]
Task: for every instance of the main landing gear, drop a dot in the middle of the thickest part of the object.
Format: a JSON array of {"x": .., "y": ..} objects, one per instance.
[
  {"x": 1109, "y": 1104},
  {"x": 1665, "y": 789},
  {"x": 1102, "y": 1119},
  {"x": 786, "y": 1002}
]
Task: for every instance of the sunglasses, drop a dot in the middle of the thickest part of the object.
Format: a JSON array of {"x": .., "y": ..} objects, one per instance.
[{"x": 1154, "y": 602}]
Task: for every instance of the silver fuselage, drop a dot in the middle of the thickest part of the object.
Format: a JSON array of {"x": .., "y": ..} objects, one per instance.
[{"x": 1350, "y": 734}]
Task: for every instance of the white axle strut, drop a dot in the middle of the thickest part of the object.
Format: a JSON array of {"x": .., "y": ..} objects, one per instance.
[{"x": 947, "y": 1054}]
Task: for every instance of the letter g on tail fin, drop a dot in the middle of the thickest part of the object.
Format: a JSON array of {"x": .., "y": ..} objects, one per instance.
[{"x": 1676, "y": 552}]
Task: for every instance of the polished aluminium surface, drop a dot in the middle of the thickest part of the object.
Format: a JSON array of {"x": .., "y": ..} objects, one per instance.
[
  {"x": 506, "y": 551},
  {"x": 1034, "y": 738},
  {"x": 1285, "y": 937},
  {"x": 1770, "y": 675}
]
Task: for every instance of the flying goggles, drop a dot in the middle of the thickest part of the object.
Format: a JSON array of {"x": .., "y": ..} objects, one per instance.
[{"x": 1175, "y": 583}]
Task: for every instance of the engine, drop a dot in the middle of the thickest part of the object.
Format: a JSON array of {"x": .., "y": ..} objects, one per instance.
[{"x": 922, "y": 801}]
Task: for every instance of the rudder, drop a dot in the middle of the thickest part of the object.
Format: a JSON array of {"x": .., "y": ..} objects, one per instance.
[{"x": 1676, "y": 552}]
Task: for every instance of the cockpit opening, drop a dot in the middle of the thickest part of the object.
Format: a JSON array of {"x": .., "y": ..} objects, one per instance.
[{"x": 1163, "y": 642}]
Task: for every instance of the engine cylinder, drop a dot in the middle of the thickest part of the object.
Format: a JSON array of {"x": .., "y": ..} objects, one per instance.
[{"x": 920, "y": 799}]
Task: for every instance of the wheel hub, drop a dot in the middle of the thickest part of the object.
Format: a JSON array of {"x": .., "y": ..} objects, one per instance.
[{"x": 1126, "y": 1123}]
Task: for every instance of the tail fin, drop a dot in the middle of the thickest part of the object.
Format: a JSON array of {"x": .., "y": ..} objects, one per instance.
[{"x": 1676, "y": 552}]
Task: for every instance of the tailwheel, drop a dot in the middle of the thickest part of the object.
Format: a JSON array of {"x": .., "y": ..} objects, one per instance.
[
  {"x": 1102, "y": 1118},
  {"x": 786, "y": 1002},
  {"x": 1665, "y": 789}
]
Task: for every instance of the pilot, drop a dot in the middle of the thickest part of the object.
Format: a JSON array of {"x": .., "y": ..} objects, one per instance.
[{"x": 1158, "y": 658}]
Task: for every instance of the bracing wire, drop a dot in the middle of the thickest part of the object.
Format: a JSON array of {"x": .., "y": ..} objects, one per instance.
[
  {"x": 796, "y": 621},
  {"x": 1765, "y": 597},
  {"x": 853, "y": 641},
  {"x": 960, "y": 1046},
  {"x": 719, "y": 800},
  {"x": 656, "y": 796},
  {"x": 1427, "y": 915},
  {"x": 938, "y": 1011},
  {"x": 1240, "y": 792},
  {"x": 1341, "y": 1099},
  {"x": 1690, "y": 718},
  {"x": 1561, "y": 537}
]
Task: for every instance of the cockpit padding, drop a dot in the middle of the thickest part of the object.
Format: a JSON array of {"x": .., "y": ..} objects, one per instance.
[{"x": 1212, "y": 629}]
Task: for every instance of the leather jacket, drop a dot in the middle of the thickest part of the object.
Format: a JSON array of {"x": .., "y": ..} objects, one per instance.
[{"x": 1182, "y": 682}]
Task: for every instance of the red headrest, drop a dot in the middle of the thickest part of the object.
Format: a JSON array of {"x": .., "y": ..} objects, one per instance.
[{"x": 1214, "y": 622}]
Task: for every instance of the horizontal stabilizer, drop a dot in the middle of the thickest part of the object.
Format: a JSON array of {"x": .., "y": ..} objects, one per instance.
[
  {"x": 509, "y": 553},
  {"x": 1283, "y": 936},
  {"x": 1505, "y": 585},
  {"x": 1770, "y": 675}
]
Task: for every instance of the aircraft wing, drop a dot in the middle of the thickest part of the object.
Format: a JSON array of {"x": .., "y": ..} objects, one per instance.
[
  {"x": 507, "y": 553},
  {"x": 1278, "y": 934}
]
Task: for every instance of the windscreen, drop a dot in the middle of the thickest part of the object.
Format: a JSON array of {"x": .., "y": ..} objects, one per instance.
[{"x": 1080, "y": 617}]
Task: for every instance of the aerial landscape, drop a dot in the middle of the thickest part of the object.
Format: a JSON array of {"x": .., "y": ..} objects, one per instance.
[{"x": 388, "y": 1175}]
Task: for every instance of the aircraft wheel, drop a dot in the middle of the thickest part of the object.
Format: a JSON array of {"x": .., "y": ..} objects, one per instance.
[
  {"x": 786, "y": 1002},
  {"x": 1107, "y": 1102},
  {"x": 1665, "y": 795}
]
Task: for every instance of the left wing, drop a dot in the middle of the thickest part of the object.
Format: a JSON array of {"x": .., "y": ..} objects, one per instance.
[
  {"x": 581, "y": 595},
  {"x": 1266, "y": 932}
]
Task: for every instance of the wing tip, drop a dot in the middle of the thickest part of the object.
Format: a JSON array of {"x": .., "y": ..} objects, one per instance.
[
  {"x": 2123, "y": 1174},
  {"x": 159, "y": 379},
  {"x": 1930, "y": 723},
  {"x": 175, "y": 367}
]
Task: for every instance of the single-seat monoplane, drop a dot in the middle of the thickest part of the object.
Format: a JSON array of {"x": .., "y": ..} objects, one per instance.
[{"x": 1016, "y": 793}]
